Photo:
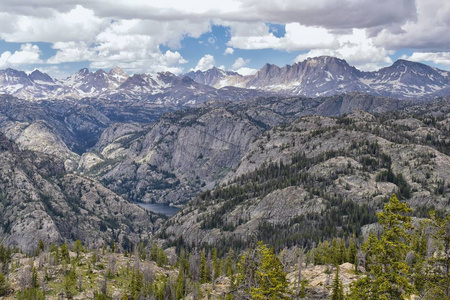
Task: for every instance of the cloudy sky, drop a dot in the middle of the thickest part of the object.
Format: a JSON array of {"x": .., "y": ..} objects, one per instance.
[{"x": 60, "y": 37}]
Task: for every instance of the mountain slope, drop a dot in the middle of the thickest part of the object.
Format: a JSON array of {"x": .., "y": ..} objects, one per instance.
[
  {"x": 320, "y": 177},
  {"x": 40, "y": 201},
  {"x": 188, "y": 151}
]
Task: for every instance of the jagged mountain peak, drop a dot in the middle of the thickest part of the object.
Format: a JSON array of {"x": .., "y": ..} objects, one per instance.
[
  {"x": 118, "y": 71},
  {"x": 83, "y": 71},
  {"x": 38, "y": 75},
  {"x": 404, "y": 62},
  {"x": 325, "y": 59},
  {"x": 312, "y": 77}
]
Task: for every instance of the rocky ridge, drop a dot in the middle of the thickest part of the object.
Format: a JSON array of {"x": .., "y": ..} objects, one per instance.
[
  {"x": 295, "y": 177},
  {"x": 313, "y": 77},
  {"x": 40, "y": 201},
  {"x": 326, "y": 76}
]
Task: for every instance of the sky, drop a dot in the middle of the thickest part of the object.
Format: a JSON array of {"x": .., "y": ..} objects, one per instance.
[{"x": 60, "y": 37}]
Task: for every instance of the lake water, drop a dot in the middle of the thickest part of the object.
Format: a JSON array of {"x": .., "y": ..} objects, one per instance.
[{"x": 159, "y": 208}]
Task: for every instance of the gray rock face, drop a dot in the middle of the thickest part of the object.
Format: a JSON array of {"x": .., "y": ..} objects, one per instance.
[
  {"x": 211, "y": 77},
  {"x": 39, "y": 201},
  {"x": 164, "y": 162},
  {"x": 190, "y": 151},
  {"x": 293, "y": 171}
]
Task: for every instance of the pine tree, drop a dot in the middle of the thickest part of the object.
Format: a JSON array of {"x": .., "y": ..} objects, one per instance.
[
  {"x": 180, "y": 288},
  {"x": 342, "y": 257},
  {"x": 34, "y": 278},
  {"x": 70, "y": 283},
  {"x": 65, "y": 253},
  {"x": 204, "y": 276},
  {"x": 78, "y": 248},
  {"x": 271, "y": 282},
  {"x": 41, "y": 246},
  {"x": 388, "y": 275},
  {"x": 438, "y": 277},
  {"x": 136, "y": 284},
  {"x": 3, "y": 284},
  {"x": 161, "y": 257},
  {"x": 338, "y": 289},
  {"x": 352, "y": 253},
  {"x": 215, "y": 263},
  {"x": 229, "y": 263}
]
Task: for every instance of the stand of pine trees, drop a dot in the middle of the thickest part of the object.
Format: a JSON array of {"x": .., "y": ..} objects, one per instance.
[{"x": 402, "y": 259}]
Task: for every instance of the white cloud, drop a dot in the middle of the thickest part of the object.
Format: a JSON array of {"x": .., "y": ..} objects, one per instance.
[
  {"x": 429, "y": 31},
  {"x": 439, "y": 58},
  {"x": 205, "y": 63},
  {"x": 229, "y": 51},
  {"x": 129, "y": 33},
  {"x": 297, "y": 37},
  {"x": 28, "y": 54},
  {"x": 239, "y": 63},
  {"x": 325, "y": 13},
  {"x": 78, "y": 24},
  {"x": 151, "y": 62},
  {"x": 357, "y": 49},
  {"x": 71, "y": 52},
  {"x": 246, "y": 71}
]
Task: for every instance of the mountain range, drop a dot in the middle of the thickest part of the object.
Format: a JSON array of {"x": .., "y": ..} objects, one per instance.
[{"x": 314, "y": 77}]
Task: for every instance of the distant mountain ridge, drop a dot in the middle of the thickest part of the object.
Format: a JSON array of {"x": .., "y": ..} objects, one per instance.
[
  {"x": 313, "y": 77},
  {"x": 163, "y": 88},
  {"x": 327, "y": 76}
]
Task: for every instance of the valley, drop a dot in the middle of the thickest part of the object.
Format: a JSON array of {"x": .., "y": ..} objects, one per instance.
[{"x": 132, "y": 162}]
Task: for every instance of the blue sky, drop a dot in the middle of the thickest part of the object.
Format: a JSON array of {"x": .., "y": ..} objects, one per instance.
[{"x": 176, "y": 36}]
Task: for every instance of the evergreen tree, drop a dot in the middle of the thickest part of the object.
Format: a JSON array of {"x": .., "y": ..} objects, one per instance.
[
  {"x": 70, "y": 283},
  {"x": 30, "y": 294},
  {"x": 180, "y": 288},
  {"x": 215, "y": 263},
  {"x": 204, "y": 275},
  {"x": 65, "y": 253},
  {"x": 229, "y": 263},
  {"x": 78, "y": 248},
  {"x": 161, "y": 257},
  {"x": 34, "y": 278},
  {"x": 388, "y": 276},
  {"x": 342, "y": 256},
  {"x": 3, "y": 284},
  {"x": 136, "y": 284},
  {"x": 352, "y": 253},
  {"x": 338, "y": 289},
  {"x": 271, "y": 282},
  {"x": 41, "y": 246},
  {"x": 438, "y": 275}
]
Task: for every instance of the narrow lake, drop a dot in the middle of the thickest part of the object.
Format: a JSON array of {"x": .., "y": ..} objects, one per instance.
[{"x": 159, "y": 208}]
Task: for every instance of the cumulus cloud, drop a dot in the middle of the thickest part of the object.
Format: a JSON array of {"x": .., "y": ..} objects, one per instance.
[
  {"x": 130, "y": 33},
  {"x": 229, "y": 51},
  {"x": 78, "y": 24},
  {"x": 297, "y": 37},
  {"x": 428, "y": 32},
  {"x": 205, "y": 63},
  {"x": 28, "y": 54},
  {"x": 239, "y": 63},
  {"x": 325, "y": 13},
  {"x": 246, "y": 71},
  {"x": 330, "y": 13},
  {"x": 71, "y": 52},
  {"x": 357, "y": 49},
  {"x": 439, "y": 58}
]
